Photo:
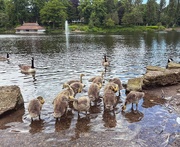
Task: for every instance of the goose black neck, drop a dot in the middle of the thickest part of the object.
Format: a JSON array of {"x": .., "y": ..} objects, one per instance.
[
  {"x": 7, "y": 55},
  {"x": 32, "y": 61},
  {"x": 105, "y": 58}
]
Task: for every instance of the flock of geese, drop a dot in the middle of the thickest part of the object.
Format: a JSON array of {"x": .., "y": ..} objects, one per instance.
[{"x": 67, "y": 96}]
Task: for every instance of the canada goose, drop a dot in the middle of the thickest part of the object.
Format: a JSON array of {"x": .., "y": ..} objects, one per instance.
[
  {"x": 27, "y": 68},
  {"x": 5, "y": 58},
  {"x": 109, "y": 99},
  {"x": 77, "y": 87},
  {"x": 72, "y": 81},
  {"x": 133, "y": 97},
  {"x": 105, "y": 61},
  {"x": 81, "y": 104},
  {"x": 118, "y": 82},
  {"x": 97, "y": 79},
  {"x": 35, "y": 107},
  {"x": 94, "y": 90},
  {"x": 60, "y": 105}
]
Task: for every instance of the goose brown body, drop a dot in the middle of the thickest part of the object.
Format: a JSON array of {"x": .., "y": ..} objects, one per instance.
[
  {"x": 5, "y": 58},
  {"x": 26, "y": 68}
]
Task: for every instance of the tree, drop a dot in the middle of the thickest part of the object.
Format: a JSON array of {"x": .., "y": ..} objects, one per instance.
[
  {"x": 151, "y": 12},
  {"x": 53, "y": 12}
]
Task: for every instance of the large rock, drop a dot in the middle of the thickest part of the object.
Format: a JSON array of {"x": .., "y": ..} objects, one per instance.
[
  {"x": 173, "y": 65},
  {"x": 10, "y": 98},
  {"x": 161, "y": 78},
  {"x": 155, "y": 77},
  {"x": 134, "y": 84}
]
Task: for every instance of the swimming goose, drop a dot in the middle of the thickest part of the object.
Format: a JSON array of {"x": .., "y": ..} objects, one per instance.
[
  {"x": 26, "y": 68},
  {"x": 5, "y": 58},
  {"x": 80, "y": 80},
  {"x": 105, "y": 61},
  {"x": 133, "y": 97},
  {"x": 35, "y": 107}
]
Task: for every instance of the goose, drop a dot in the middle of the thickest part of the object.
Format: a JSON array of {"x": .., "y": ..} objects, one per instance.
[
  {"x": 72, "y": 81},
  {"x": 77, "y": 87},
  {"x": 82, "y": 104},
  {"x": 28, "y": 69},
  {"x": 118, "y": 82},
  {"x": 60, "y": 104},
  {"x": 5, "y": 58},
  {"x": 93, "y": 91},
  {"x": 112, "y": 86},
  {"x": 69, "y": 91},
  {"x": 133, "y": 97},
  {"x": 109, "y": 98},
  {"x": 97, "y": 79},
  {"x": 35, "y": 106},
  {"x": 105, "y": 61}
]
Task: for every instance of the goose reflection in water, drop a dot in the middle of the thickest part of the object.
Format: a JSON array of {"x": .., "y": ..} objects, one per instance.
[
  {"x": 64, "y": 123},
  {"x": 82, "y": 126},
  {"x": 36, "y": 126},
  {"x": 133, "y": 115},
  {"x": 109, "y": 119}
]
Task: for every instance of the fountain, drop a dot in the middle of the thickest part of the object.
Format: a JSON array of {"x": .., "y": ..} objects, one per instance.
[
  {"x": 66, "y": 27},
  {"x": 67, "y": 34}
]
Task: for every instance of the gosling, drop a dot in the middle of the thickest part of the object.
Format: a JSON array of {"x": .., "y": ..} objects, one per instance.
[
  {"x": 35, "y": 107},
  {"x": 118, "y": 82},
  {"x": 60, "y": 106},
  {"x": 109, "y": 98},
  {"x": 69, "y": 91},
  {"x": 82, "y": 104},
  {"x": 133, "y": 97},
  {"x": 93, "y": 91},
  {"x": 97, "y": 79},
  {"x": 77, "y": 87},
  {"x": 72, "y": 81}
]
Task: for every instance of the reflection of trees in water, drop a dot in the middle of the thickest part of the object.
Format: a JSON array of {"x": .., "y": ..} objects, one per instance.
[
  {"x": 133, "y": 116},
  {"x": 64, "y": 123},
  {"x": 109, "y": 119},
  {"x": 36, "y": 126}
]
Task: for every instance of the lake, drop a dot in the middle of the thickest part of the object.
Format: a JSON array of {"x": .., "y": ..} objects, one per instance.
[{"x": 59, "y": 58}]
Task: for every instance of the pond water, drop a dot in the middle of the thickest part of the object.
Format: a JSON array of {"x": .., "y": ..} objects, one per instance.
[{"x": 59, "y": 58}]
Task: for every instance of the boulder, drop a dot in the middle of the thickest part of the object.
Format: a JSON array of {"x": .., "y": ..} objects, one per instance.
[
  {"x": 155, "y": 77},
  {"x": 173, "y": 65},
  {"x": 134, "y": 84},
  {"x": 10, "y": 98},
  {"x": 161, "y": 78}
]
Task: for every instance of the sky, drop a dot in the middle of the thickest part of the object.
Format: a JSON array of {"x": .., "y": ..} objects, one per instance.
[{"x": 145, "y": 1}]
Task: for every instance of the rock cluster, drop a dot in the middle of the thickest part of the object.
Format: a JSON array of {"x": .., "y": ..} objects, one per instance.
[{"x": 156, "y": 77}]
